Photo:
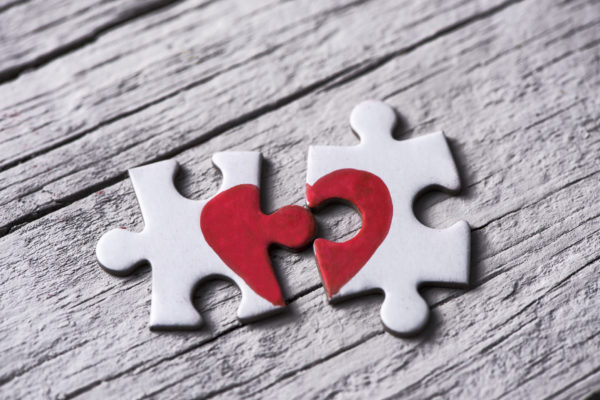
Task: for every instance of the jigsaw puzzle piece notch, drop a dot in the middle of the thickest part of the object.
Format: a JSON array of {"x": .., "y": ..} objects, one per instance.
[
  {"x": 442, "y": 255},
  {"x": 238, "y": 168}
]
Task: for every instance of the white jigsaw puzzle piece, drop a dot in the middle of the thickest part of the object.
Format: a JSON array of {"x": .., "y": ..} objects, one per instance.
[
  {"x": 411, "y": 253},
  {"x": 173, "y": 243}
]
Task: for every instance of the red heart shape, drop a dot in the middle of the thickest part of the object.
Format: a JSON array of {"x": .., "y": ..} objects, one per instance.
[
  {"x": 339, "y": 262},
  {"x": 236, "y": 229}
]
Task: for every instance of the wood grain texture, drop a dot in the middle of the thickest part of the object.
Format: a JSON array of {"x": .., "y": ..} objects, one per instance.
[
  {"x": 205, "y": 79},
  {"x": 514, "y": 85},
  {"x": 33, "y": 33}
]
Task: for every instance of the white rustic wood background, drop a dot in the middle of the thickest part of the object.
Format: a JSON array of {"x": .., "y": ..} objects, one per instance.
[{"x": 89, "y": 89}]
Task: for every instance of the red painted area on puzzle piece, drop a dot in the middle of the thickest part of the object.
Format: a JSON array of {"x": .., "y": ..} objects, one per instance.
[
  {"x": 339, "y": 262},
  {"x": 237, "y": 230}
]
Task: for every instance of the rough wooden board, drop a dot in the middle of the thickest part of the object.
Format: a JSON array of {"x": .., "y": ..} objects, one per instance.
[
  {"x": 194, "y": 102},
  {"x": 319, "y": 328},
  {"x": 185, "y": 40},
  {"x": 276, "y": 349},
  {"x": 532, "y": 220},
  {"x": 30, "y": 189},
  {"x": 33, "y": 33},
  {"x": 527, "y": 146}
]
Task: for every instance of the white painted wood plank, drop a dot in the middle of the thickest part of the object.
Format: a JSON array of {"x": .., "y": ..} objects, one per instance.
[
  {"x": 526, "y": 142},
  {"x": 36, "y": 32},
  {"x": 199, "y": 79}
]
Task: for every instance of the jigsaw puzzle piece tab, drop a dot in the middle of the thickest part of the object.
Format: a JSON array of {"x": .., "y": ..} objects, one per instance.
[
  {"x": 119, "y": 251},
  {"x": 373, "y": 122}
]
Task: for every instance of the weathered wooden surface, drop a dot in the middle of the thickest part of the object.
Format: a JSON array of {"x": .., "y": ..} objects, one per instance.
[
  {"x": 514, "y": 84},
  {"x": 146, "y": 95}
]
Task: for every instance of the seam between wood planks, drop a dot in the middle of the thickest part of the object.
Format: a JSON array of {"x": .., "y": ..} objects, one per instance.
[
  {"x": 573, "y": 383},
  {"x": 142, "y": 107},
  {"x": 13, "y": 72},
  {"x": 334, "y": 80},
  {"x": 72, "y": 138},
  {"x": 296, "y": 371},
  {"x": 383, "y": 60},
  {"x": 439, "y": 373},
  {"x": 539, "y": 373},
  {"x": 517, "y": 209},
  {"x": 12, "y": 4}
]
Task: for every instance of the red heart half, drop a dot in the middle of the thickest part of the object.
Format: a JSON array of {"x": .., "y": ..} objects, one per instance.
[
  {"x": 236, "y": 229},
  {"x": 339, "y": 262}
]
